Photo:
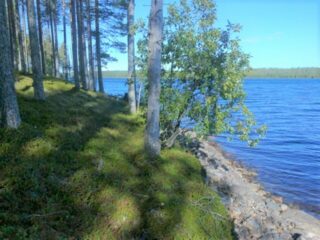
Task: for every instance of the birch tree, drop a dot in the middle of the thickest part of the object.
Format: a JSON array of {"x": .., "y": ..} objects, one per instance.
[
  {"x": 152, "y": 135},
  {"x": 9, "y": 115}
]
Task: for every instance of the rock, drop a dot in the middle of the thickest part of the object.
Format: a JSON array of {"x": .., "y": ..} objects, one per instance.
[
  {"x": 256, "y": 213},
  {"x": 284, "y": 207},
  {"x": 213, "y": 162},
  {"x": 297, "y": 236},
  {"x": 277, "y": 199}
]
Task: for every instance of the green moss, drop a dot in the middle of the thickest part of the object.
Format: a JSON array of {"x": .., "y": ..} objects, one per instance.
[{"x": 76, "y": 168}]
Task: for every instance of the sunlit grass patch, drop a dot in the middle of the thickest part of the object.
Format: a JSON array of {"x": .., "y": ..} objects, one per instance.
[{"x": 76, "y": 169}]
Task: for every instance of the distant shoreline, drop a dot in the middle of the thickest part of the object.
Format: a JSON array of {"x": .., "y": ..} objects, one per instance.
[{"x": 257, "y": 73}]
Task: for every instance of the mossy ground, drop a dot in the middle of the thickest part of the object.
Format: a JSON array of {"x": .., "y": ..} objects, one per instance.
[{"x": 76, "y": 169}]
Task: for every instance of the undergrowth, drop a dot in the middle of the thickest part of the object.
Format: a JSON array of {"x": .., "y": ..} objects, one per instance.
[{"x": 76, "y": 169}]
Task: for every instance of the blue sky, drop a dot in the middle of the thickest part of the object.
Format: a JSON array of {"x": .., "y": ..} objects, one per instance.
[{"x": 276, "y": 33}]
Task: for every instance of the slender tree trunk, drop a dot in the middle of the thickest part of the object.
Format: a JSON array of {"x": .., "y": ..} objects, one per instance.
[
  {"x": 65, "y": 57},
  {"x": 98, "y": 45},
  {"x": 35, "y": 53},
  {"x": 43, "y": 62},
  {"x": 12, "y": 33},
  {"x": 24, "y": 27},
  {"x": 20, "y": 38},
  {"x": 81, "y": 46},
  {"x": 54, "y": 57},
  {"x": 17, "y": 32},
  {"x": 74, "y": 44},
  {"x": 131, "y": 59},
  {"x": 56, "y": 44},
  {"x": 152, "y": 135},
  {"x": 9, "y": 115},
  {"x": 91, "y": 85}
]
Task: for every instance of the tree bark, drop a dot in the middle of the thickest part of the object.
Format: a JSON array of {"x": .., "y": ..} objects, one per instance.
[
  {"x": 12, "y": 32},
  {"x": 131, "y": 59},
  {"x": 43, "y": 63},
  {"x": 35, "y": 53},
  {"x": 56, "y": 44},
  {"x": 74, "y": 44},
  {"x": 81, "y": 46},
  {"x": 53, "y": 57},
  {"x": 9, "y": 115},
  {"x": 24, "y": 27},
  {"x": 65, "y": 57},
  {"x": 91, "y": 85},
  {"x": 98, "y": 46},
  {"x": 20, "y": 38},
  {"x": 152, "y": 135}
]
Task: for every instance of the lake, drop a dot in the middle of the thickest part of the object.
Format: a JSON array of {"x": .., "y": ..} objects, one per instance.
[{"x": 288, "y": 158}]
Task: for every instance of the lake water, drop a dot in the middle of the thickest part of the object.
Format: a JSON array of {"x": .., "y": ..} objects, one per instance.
[{"x": 288, "y": 158}]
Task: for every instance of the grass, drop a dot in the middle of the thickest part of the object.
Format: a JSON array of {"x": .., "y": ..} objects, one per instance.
[{"x": 76, "y": 169}]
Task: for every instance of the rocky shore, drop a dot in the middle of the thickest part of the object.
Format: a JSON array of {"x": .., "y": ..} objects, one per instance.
[{"x": 256, "y": 213}]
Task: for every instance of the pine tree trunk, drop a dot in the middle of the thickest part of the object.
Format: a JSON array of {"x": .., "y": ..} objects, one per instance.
[
  {"x": 24, "y": 27},
  {"x": 98, "y": 46},
  {"x": 91, "y": 85},
  {"x": 35, "y": 52},
  {"x": 11, "y": 32},
  {"x": 54, "y": 57},
  {"x": 131, "y": 60},
  {"x": 16, "y": 27},
  {"x": 43, "y": 63},
  {"x": 81, "y": 46},
  {"x": 152, "y": 137},
  {"x": 9, "y": 115},
  {"x": 74, "y": 44},
  {"x": 56, "y": 43},
  {"x": 20, "y": 38},
  {"x": 65, "y": 57}
]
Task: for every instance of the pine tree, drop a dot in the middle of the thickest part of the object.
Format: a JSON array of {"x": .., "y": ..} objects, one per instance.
[
  {"x": 91, "y": 85},
  {"x": 98, "y": 46},
  {"x": 131, "y": 59},
  {"x": 74, "y": 44},
  {"x": 9, "y": 115},
  {"x": 35, "y": 52},
  {"x": 152, "y": 136}
]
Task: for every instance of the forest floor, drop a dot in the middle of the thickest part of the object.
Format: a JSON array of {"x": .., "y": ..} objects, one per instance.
[{"x": 76, "y": 169}]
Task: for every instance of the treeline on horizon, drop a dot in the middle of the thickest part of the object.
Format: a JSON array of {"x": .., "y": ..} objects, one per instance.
[{"x": 311, "y": 72}]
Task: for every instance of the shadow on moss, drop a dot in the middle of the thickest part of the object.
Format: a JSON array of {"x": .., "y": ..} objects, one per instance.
[{"x": 76, "y": 168}]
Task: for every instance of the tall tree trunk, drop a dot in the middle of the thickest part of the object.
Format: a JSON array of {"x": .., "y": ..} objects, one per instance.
[
  {"x": 20, "y": 38},
  {"x": 152, "y": 135},
  {"x": 91, "y": 85},
  {"x": 82, "y": 46},
  {"x": 16, "y": 27},
  {"x": 12, "y": 33},
  {"x": 54, "y": 57},
  {"x": 74, "y": 44},
  {"x": 9, "y": 115},
  {"x": 65, "y": 57},
  {"x": 98, "y": 45},
  {"x": 56, "y": 43},
  {"x": 35, "y": 53},
  {"x": 24, "y": 27},
  {"x": 131, "y": 59},
  {"x": 43, "y": 63}
]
